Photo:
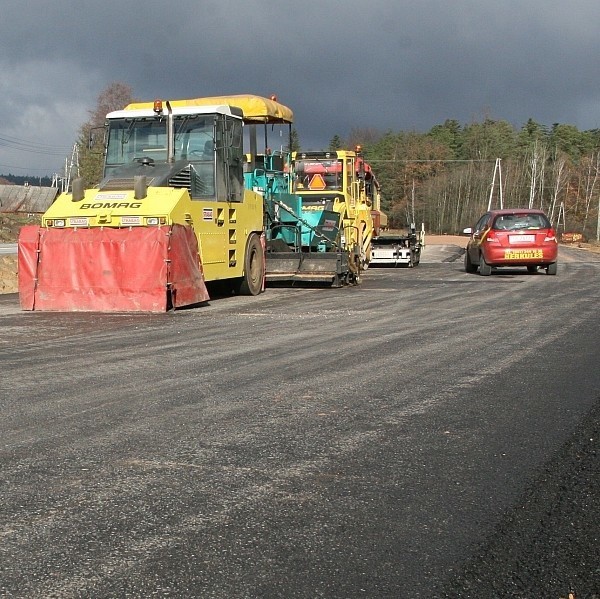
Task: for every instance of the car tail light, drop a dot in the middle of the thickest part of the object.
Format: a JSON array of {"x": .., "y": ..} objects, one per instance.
[
  {"x": 491, "y": 237},
  {"x": 550, "y": 235}
]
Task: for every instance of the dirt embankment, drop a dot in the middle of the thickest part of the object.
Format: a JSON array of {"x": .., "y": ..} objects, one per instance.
[
  {"x": 8, "y": 274},
  {"x": 10, "y": 225},
  {"x": 460, "y": 240}
]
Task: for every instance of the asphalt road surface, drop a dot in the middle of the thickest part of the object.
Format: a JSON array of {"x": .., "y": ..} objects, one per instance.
[{"x": 426, "y": 434}]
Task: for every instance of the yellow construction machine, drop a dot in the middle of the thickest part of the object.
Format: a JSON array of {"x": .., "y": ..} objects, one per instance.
[
  {"x": 338, "y": 188},
  {"x": 170, "y": 214}
]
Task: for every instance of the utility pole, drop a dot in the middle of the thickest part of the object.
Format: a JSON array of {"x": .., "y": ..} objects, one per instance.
[
  {"x": 412, "y": 215},
  {"x": 598, "y": 223},
  {"x": 71, "y": 169},
  {"x": 534, "y": 175},
  {"x": 561, "y": 212},
  {"x": 497, "y": 169}
]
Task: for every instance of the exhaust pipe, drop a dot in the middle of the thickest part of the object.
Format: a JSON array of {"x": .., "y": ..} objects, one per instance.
[
  {"x": 140, "y": 187},
  {"x": 170, "y": 134},
  {"x": 77, "y": 190}
]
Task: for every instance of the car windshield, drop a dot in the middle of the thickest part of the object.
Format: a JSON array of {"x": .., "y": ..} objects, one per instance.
[{"x": 520, "y": 222}]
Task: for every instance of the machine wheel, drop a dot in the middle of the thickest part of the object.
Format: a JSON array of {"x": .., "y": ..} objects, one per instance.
[
  {"x": 552, "y": 268},
  {"x": 469, "y": 266},
  {"x": 484, "y": 268},
  {"x": 254, "y": 267}
]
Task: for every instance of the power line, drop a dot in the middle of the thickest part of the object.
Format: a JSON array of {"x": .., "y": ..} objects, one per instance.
[
  {"x": 27, "y": 169},
  {"x": 432, "y": 160},
  {"x": 12, "y": 144},
  {"x": 22, "y": 145},
  {"x": 9, "y": 138}
]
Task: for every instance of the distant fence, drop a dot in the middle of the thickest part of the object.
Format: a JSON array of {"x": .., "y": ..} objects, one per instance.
[{"x": 26, "y": 198}]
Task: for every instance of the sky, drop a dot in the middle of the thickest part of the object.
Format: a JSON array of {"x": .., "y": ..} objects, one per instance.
[{"x": 340, "y": 65}]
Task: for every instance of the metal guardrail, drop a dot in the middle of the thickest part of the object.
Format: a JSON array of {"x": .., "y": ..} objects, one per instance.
[{"x": 8, "y": 248}]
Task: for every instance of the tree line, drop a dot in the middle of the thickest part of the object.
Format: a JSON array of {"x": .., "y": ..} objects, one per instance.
[
  {"x": 11, "y": 179},
  {"x": 447, "y": 176}
]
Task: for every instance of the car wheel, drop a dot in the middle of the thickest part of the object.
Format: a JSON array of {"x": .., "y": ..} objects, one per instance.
[
  {"x": 532, "y": 268},
  {"x": 552, "y": 268},
  {"x": 484, "y": 268},
  {"x": 469, "y": 266}
]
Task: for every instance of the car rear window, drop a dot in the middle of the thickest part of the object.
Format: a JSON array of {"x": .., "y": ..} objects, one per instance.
[{"x": 520, "y": 222}]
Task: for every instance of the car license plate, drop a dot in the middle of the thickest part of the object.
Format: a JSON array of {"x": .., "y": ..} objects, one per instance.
[
  {"x": 523, "y": 254},
  {"x": 521, "y": 239}
]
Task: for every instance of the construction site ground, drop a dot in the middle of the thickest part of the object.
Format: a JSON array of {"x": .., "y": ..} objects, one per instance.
[{"x": 426, "y": 434}]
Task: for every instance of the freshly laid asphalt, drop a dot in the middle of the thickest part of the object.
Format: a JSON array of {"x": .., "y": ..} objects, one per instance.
[{"x": 426, "y": 434}]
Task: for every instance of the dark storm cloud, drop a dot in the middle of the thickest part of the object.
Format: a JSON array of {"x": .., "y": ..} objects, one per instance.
[{"x": 340, "y": 64}]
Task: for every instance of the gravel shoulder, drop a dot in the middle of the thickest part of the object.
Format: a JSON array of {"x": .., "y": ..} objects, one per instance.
[{"x": 546, "y": 543}]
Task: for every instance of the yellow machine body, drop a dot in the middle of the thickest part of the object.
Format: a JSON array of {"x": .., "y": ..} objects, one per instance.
[
  {"x": 175, "y": 166},
  {"x": 340, "y": 180}
]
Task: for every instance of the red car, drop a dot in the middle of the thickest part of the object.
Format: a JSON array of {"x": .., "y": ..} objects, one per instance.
[{"x": 512, "y": 237}]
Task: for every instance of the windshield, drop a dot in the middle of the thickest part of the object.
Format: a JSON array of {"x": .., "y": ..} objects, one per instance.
[
  {"x": 131, "y": 139},
  {"x": 520, "y": 222},
  {"x": 318, "y": 175}
]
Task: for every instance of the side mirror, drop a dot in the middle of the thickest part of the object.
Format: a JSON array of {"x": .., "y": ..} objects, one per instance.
[
  {"x": 97, "y": 136},
  {"x": 468, "y": 231}
]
